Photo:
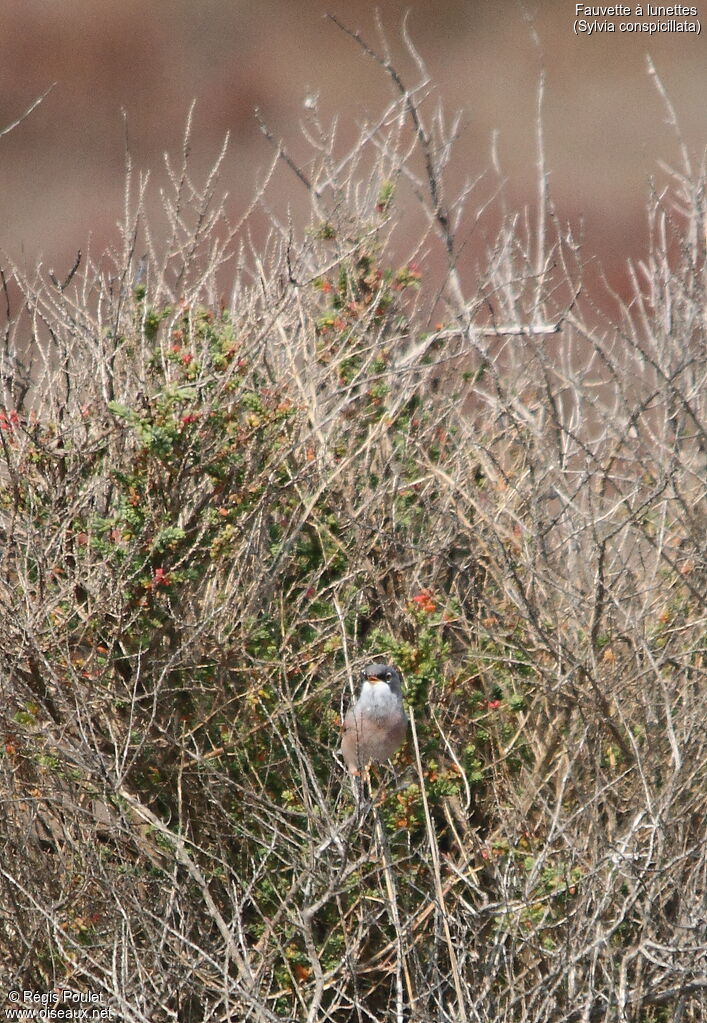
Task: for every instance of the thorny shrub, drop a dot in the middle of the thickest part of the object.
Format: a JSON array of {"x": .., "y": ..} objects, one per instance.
[{"x": 214, "y": 510}]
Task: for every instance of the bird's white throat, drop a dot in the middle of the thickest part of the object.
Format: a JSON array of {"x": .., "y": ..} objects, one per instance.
[{"x": 377, "y": 695}]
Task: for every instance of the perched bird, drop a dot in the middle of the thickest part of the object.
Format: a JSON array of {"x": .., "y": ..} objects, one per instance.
[{"x": 375, "y": 726}]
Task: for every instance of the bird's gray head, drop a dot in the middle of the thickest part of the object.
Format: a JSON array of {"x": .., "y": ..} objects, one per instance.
[{"x": 374, "y": 674}]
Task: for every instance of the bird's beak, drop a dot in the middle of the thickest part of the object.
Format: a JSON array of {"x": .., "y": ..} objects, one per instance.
[{"x": 372, "y": 678}]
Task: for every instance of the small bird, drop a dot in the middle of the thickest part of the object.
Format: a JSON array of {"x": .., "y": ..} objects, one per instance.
[{"x": 375, "y": 726}]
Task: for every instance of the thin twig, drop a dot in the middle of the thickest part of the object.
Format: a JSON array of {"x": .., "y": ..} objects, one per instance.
[{"x": 28, "y": 111}]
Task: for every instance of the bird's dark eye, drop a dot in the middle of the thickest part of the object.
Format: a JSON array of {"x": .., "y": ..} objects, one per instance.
[{"x": 388, "y": 676}]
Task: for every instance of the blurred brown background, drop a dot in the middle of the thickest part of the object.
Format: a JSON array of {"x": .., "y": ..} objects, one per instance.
[{"x": 63, "y": 168}]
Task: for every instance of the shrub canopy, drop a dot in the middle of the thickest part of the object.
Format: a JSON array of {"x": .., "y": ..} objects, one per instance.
[{"x": 213, "y": 510}]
